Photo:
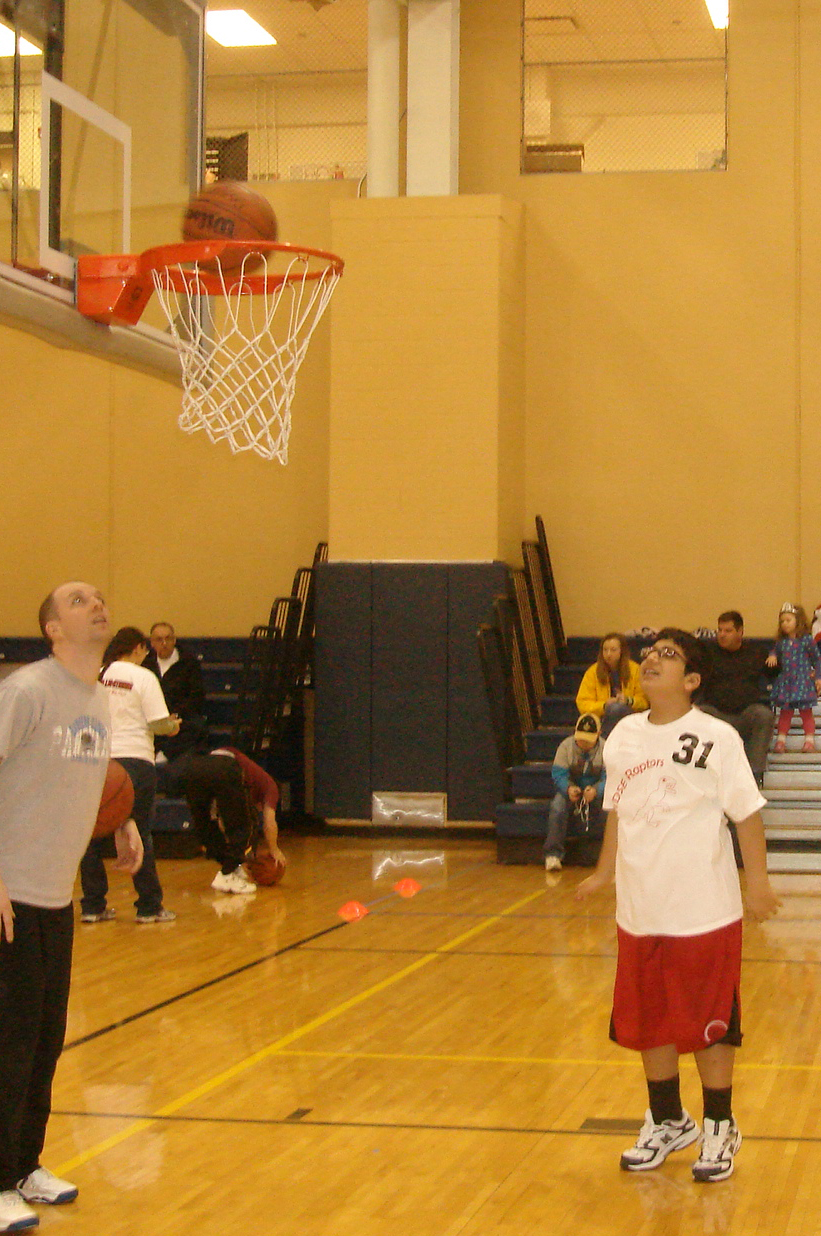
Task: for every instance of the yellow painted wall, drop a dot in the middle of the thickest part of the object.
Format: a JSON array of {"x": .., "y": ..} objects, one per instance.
[
  {"x": 426, "y": 373},
  {"x": 98, "y": 482},
  {"x": 672, "y": 342}
]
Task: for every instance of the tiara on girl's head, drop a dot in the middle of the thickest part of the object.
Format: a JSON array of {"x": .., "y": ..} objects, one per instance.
[{"x": 786, "y": 608}]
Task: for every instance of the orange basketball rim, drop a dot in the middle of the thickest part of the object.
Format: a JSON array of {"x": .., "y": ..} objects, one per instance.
[{"x": 238, "y": 364}]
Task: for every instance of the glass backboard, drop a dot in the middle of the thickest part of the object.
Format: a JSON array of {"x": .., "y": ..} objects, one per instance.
[{"x": 100, "y": 129}]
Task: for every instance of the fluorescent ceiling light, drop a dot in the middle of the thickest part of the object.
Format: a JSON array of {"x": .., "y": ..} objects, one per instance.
[
  {"x": 719, "y": 13},
  {"x": 234, "y": 28},
  {"x": 7, "y": 44}
]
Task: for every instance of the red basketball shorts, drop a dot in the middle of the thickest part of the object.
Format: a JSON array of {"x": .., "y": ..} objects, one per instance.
[{"x": 678, "y": 989}]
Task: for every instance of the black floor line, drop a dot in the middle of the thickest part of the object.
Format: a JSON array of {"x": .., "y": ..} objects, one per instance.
[
  {"x": 221, "y": 978},
  {"x": 192, "y": 991},
  {"x": 610, "y": 1129}
]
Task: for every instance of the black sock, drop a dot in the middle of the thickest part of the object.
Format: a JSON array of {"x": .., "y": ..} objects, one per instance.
[
  {"x": 665, "y": 1099},
  {"x": 718, "y": 1104}
]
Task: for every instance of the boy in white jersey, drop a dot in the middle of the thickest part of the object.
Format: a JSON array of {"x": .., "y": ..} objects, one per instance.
[{"x": 673, "y": 775}]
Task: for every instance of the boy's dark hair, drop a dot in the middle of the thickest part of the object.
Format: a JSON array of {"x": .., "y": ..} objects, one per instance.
[
  {"x": 733, "y": 616},
  {"x": 696, "y": 662}
]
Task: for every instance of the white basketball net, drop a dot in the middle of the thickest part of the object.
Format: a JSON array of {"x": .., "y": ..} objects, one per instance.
[{"x": 238, "y": 373}]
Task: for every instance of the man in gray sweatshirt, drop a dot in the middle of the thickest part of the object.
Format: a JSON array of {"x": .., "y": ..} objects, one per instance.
[{"x": 55, "y": 738}]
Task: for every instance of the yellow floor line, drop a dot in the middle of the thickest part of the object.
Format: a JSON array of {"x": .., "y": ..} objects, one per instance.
[{"x": 285, "y": 1040}]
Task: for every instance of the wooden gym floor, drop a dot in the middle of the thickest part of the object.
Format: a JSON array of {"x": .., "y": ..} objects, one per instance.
[{"x": 440, "y": 1067}]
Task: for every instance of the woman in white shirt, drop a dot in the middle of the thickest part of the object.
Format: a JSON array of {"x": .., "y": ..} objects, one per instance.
[{"x": 138, "y": 712}]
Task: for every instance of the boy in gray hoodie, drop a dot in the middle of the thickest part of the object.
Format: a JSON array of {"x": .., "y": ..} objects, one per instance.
[{"x": 578, "y": 778}]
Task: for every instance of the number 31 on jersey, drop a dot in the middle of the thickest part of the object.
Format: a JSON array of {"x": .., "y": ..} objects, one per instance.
[{"x": 689, "y": 745}]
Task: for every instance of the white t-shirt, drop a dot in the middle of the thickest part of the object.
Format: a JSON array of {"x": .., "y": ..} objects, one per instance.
[
  {"x": 136, "y": 699},
  {"x": 672, "y": 786}
]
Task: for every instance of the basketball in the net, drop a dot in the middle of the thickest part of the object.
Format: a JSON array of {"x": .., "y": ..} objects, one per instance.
[
  {"x": 261, "y": 865},
  {"x": 229, "y": 210},
  {"x": 117, "y": 800}
]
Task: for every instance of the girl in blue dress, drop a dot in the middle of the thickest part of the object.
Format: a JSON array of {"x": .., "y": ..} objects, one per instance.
[{"x": 799, "y": 679}]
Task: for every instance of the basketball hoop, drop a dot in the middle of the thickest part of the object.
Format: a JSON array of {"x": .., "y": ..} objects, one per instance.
[{"x": 240, "y": 351}]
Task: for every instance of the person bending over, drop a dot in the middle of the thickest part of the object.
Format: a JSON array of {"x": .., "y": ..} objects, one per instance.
[{"x": 225, "y": 790}]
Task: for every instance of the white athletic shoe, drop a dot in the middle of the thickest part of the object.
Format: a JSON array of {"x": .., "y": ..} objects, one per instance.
[
  {"x": 43, "y": 1186},
  {"x": 552, "y": 863},
  {"x": 656, "y": 1141},
  {"x": 719, "y": 1145},
  {"x": 234, "y": 882},
  {"x": 15, "y": 1215}
]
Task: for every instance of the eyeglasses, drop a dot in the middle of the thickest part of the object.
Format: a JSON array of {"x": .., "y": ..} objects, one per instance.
[{"x": 664, "y": 654}]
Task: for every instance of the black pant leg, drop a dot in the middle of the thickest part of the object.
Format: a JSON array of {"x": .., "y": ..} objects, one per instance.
[
  {"x": 146, "y": 881},
  {"x": 35, "y": 973},
  {"x": 202, "y": 777},
  {"x": 93, "y": 878},
  {"x": 234, "y": 812},
  {"x": 57, "y": 936}
]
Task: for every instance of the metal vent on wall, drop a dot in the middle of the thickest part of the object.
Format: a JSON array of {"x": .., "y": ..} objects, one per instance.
[{"x": 540, "y": 156}]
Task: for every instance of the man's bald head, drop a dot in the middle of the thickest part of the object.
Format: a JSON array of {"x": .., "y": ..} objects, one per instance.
[{"x": 74, "y": 614}]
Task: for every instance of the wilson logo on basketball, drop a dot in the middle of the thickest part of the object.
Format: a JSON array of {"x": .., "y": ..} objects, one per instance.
[{"x": 216, "y": 225}]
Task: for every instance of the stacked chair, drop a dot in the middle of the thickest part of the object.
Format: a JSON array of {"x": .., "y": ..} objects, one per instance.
[
  {"x": 529, "y": 680},
  {"x": 269, "y": 722},
  {"x": 260, "y": 707}
]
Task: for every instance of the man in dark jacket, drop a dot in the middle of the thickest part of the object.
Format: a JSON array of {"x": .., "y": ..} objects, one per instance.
[
  {"x": 181, "y": 678},
  {"x": 733, "y": 691}
]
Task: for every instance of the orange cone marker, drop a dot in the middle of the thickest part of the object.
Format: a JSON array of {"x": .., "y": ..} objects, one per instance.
[
  {"x": 352, "y": 911},
  {"x": 407, "y": 887}
]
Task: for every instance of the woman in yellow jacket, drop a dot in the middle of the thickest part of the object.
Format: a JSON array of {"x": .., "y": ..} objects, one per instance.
[{"x": 611, "y": 688}]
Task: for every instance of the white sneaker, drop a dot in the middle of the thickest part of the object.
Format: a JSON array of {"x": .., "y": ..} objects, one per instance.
[
  {"x": 234, "y": 882},
  {"x": 656, "y": 1141},
  {"x": 719, "y": 1145},
  {"x": 552, "y": 863},
  {"x": 43, "y": 1186},
  {"x": 15, "y": 1215}
]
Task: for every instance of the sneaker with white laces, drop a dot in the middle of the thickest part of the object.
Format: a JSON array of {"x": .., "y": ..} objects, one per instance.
[
  {"x": 104, "y": 916},
  {"x": 552, "y": 863},
  {"x": 719, "y": 1145},
  {"x": 160, "y": 916},
  {"x": 43, "y": 1186},
  {"x": 656, "y": 1141},
  {"x": 15, "y": 1215},
  {"x": 234, "y": 882}
]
